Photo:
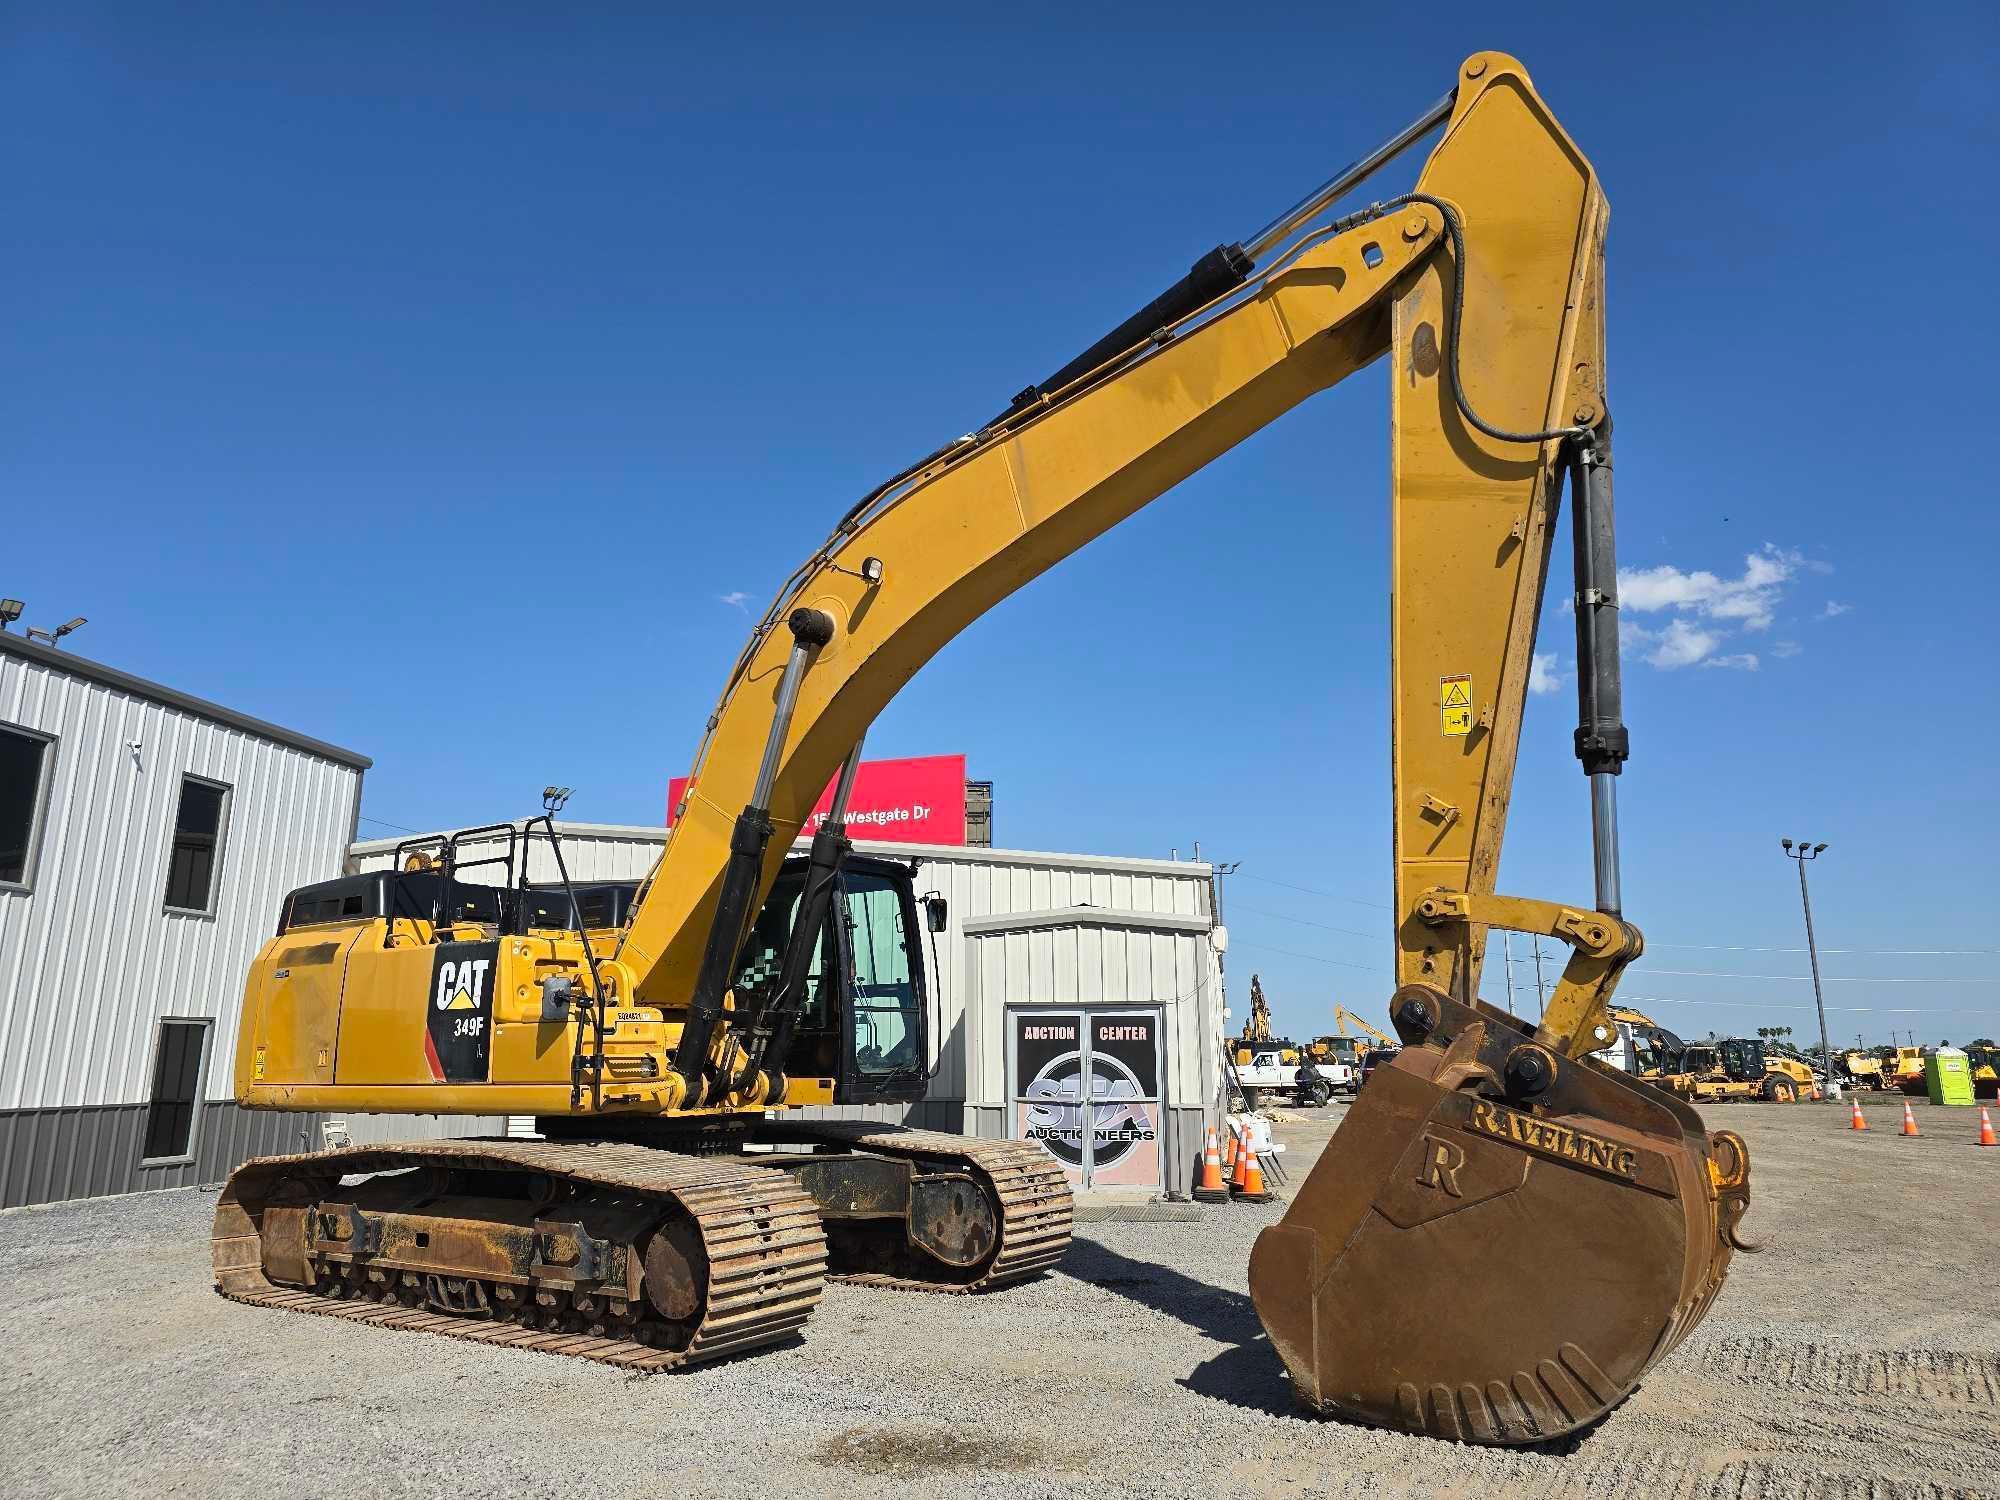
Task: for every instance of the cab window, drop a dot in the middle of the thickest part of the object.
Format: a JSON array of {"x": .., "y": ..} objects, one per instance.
[
  {"x": 888, "y": 1031},
  {"x": 764, "y": 956}
]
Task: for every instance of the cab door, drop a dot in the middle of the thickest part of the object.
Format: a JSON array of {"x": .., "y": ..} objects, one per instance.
[{"x": 888, "y": 1052}]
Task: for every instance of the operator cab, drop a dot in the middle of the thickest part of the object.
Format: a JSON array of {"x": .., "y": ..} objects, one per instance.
[
  {"x": 1742, "y": 1059},
  {"x": 1658, "y": 1050},
  {"x": 863, "y": 1028},
  {"x": 862, "y": 1023}
]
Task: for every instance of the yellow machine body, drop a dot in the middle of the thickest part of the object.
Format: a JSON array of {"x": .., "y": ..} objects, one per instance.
[
  {"x": 1906, "y": 1071},
  {"x": 1407, "y": 1284}
]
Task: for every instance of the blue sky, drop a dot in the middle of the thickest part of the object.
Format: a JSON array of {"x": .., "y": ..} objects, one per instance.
[{"x": 429, "y": 379}]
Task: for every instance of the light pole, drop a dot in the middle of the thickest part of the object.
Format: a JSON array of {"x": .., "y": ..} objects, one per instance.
[{"x": 1808, "y": 851}]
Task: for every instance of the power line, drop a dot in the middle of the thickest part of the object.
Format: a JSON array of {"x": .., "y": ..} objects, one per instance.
[
  {"x": 1649, "y": 969},
  {"x": 1310, "y": 891},
  {"x": 1885, "y": 1010},
  {"x": 1313, "y": 958},
  {"x": 1807, "y": 978},
  {"x": 385, "y": 823},
  {"x": 1872, "y": 952},
  {"x": 1650, "y": 942},
  {"x": 1761, "y": 1005},
  {"x": 1306, "y": 922}
]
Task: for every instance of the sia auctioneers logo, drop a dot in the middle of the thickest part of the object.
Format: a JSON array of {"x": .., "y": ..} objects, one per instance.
[{"x": 1114, "y": 1115}]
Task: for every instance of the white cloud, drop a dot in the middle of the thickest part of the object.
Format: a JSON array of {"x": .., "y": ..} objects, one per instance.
[
  {"x": 736, "y": 599},
  {"x": 1786, "y": 649},
  {"x": 1749, "y": 600},
  {"x": 1545, "y": 674},
  {"x": 1743, "y": 661},
  {"x": 1682, "y": 645},
  {"x": 1834, "y": 610}
]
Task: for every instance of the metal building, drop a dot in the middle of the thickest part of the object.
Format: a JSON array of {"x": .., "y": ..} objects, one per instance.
[
  {"x": 1052, "y": 970},
  {"x": 146, "y": 840}
]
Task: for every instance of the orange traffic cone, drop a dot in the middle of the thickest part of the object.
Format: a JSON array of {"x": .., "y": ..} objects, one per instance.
[
  {"x": 1240, "y": 1179},
  {"x": 1857, "y": 1123},
  {"x": 1229, "y": 1155},
  {"x": 1909, "y": 1120},
  {"x": 1211, "y": 1189},
  {"x": 1986, "y": 1128},
  {"x": 1254, "y": 1190}
]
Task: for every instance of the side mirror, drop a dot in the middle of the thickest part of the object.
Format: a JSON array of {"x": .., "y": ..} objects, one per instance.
[{"x": 936, "y": 913}]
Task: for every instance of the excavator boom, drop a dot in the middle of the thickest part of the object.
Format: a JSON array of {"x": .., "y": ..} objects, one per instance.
[{"x": 1502, "y": 1236}]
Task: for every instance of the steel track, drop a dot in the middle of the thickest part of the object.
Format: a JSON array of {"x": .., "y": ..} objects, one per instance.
[{"x": 766, "y": 1250}]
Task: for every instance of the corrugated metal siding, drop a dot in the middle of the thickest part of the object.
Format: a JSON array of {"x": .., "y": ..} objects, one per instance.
[
  {"x": 1139, "y": 968},
  {"x": 90, "y": 959},
  {"x": 1100, "y": 967},
  {"x": 52, "y": 1154},
  {"x": 78, "y": 1152}
]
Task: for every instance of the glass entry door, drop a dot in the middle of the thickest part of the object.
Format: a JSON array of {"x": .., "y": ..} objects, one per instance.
[{"x": 1085, "y": 1085}]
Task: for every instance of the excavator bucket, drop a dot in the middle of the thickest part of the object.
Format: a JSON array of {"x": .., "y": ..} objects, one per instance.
[{"x": 1491, "y": 1253}]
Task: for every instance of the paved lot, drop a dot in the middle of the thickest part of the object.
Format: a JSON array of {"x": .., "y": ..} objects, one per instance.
[{"x": 1855, "y": 1357}]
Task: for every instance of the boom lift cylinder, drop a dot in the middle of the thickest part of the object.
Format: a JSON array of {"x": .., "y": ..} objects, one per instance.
[
  {"x": 830, "y": 846},
  {"x": 735, "y": 905},
  {"x": 1227, "y": 267}
]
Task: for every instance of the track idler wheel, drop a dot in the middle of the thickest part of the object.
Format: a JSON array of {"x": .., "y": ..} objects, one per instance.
[{"x": 1498, "y": 1241}]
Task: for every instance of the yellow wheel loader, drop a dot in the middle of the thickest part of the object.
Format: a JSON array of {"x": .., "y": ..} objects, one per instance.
[
  {"x": 1502, "y": 1237},
  {"x": 1984, "y": 1064},
  {"x": 1733, "y": 1068},
  {"x": 1789, "y": 1075}
]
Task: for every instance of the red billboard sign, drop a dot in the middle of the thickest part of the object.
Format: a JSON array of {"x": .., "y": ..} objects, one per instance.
[{"x": 917, "y": 800}]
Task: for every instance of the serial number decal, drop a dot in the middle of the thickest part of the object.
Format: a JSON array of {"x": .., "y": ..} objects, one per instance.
[{"x": 1551, "y": 1139}]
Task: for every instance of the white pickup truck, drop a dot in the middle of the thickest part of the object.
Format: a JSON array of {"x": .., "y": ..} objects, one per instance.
[{"x": 1268, "y": 1075}]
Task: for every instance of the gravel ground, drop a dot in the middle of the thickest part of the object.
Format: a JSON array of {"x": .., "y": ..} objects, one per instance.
[{"x": 1855, "y": 1357}]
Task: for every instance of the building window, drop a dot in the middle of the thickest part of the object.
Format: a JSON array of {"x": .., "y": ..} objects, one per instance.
[
  {"x": 197, "y": 852},
  {"x": 179, "y": 1050},
  {"x": 25, "y": 759}
]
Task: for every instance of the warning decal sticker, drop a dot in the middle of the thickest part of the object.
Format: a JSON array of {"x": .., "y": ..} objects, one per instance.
[{"x": 1455, "y": 706}]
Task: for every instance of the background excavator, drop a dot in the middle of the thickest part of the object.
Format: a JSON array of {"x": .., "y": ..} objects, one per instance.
[
  {"x": 1260, "y": 1063},
  {"x": 1502, "y": 1236},
  {"x": 1342, "y": 1046}
]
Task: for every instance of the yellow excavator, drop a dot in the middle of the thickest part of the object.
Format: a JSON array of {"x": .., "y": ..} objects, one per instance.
[
  {"x": 1862, "y": 1070},
  {"x": 1983, "y": 1062},
  {"x": 1257, "y": 1026},
  {"x": 1502, "y": 1237},
  {"x": 1343, "y": 1046}
]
